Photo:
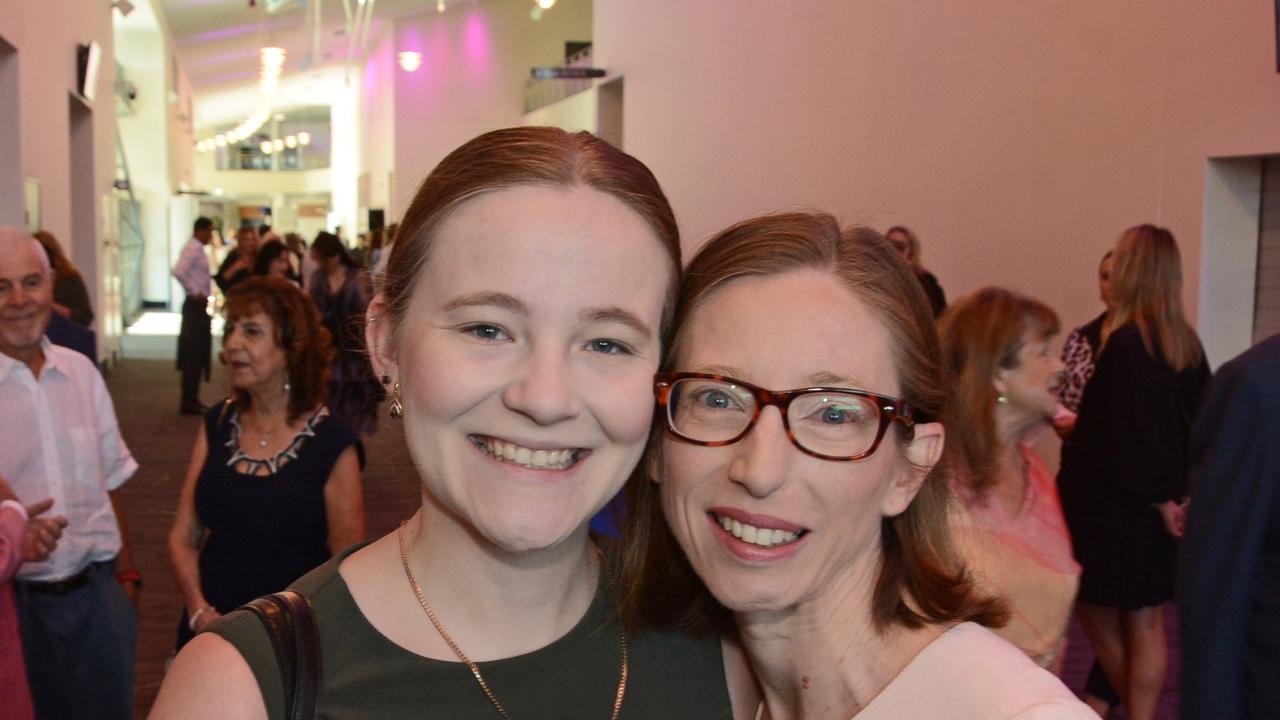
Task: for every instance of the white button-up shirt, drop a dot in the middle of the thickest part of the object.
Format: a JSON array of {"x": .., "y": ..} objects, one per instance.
[
  {"x": 61, "y": 441},
  {"x": 192, "y": 270}
]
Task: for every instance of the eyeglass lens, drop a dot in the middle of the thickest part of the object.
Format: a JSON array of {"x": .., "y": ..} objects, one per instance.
[{"x": 828, "y": 423}]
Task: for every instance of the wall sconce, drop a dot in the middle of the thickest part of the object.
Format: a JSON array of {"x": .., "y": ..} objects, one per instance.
[
  {"x": 410, "y": 61},
  {"x": 304, "y": 138},
  {"x": 266, "y": 147}
]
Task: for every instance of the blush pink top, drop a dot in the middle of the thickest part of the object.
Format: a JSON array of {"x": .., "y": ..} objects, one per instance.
[
  {"x": 15, "y": 697},
  {"x": 1023, "y": 555}
]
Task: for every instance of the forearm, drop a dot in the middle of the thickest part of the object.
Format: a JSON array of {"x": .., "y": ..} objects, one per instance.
[{"x": 185, "y": 559}]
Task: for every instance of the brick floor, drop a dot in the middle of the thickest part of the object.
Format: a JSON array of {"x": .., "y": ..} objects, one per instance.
[{"x": 146, "y": 398}]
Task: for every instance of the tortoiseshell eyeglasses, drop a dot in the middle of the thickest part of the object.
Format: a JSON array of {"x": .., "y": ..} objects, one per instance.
[{"x": 827, "y": 423}]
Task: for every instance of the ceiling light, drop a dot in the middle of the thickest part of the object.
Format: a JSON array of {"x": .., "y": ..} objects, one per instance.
[
  {"x": 221, "y": 140},
  {"x": 277, "y": 144},
  {"x": 266, "y": 147},
  {"x": 291, "y": 141},
  {"x": 278, "y": 117},
  {"x": 272, "y": 56},
  {"x": 304, "y": 138},
  {"x": 546, "y": 4},
  {"x": 410, "y": 60}
]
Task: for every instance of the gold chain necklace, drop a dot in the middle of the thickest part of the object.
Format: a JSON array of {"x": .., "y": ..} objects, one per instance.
[{"x": 475, "y": 669}]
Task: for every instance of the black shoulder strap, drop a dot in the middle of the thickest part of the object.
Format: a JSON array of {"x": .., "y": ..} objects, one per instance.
[{"x": 291, "y": 625}]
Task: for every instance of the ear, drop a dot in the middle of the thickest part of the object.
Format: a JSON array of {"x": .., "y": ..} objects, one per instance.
[
  {"x": 380, "y": 337},
  {"x": 1000, "y": 381},
  {"x": 921, "y": 454}
]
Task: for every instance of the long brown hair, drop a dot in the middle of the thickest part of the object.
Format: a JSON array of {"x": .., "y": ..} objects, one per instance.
[
  {"x": 520, "y": 156},
  {"x": 981, "y": 334},
  {"x": 307, "y": 344},
  {"x": 1146, "y": 290},
  {"x": 920, "y": 580}
]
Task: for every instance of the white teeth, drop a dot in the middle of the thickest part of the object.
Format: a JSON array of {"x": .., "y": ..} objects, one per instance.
[
  {"x": 764, "y": 537},
  {"x": 540, "y": 459}
]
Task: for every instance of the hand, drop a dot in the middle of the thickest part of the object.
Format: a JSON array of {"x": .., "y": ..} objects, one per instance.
[
  {"x": 1174, "y": 516},
  {"x": 209, "y": 615},
  {"x": 42, "y": 533}
]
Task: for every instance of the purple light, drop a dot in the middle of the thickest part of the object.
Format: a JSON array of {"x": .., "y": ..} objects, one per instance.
[
  {"x": 476, "y": 40},
  {"x": 225, "y": 33}
]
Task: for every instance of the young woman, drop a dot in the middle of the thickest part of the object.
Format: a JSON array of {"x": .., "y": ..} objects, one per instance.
[
  {"x": 798, "y": 474},
  {"x": 1124, "y": 466},
  {"x": 519, "y": 342},
  {"x": 907, "y": 243},
  {"x": 1007, "y": 521}
]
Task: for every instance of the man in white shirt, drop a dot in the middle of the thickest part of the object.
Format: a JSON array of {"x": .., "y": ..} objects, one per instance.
[
  {"x": 195, "y": 339},
  {"x": 76, "y": 609}
]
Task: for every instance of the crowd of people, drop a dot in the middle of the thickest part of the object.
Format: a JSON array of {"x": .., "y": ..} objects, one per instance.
[{"x": 833, "y": 502}]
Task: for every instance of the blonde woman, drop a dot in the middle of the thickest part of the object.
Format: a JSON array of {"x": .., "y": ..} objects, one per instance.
[{"x": 1124, "y": 467}]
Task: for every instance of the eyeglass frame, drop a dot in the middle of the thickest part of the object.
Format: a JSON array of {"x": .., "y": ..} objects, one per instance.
[{"x": 889, "y": 409}]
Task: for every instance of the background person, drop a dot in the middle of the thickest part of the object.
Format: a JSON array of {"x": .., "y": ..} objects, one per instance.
[
  {"x": 237, "y": 266},
  {"x": 814, "y": 510},
  {"x": 908, "y": 246},
  {"x": 70, "y": 296},
  {"x": 274, "y": 485},
  {"x": 275, "y": 260},
  {"x": 1229, "y": 596},
  {"x": 195, "y": 338},
  {"x": 1124, "y": 465},
  {"x": 1007, "y": 520},
  {"x": 24, "y": 536},
  {"x": 340, "y": 291},
  {"x": 520, "y": 344},
  {"x": 77, "y": 608},
  {"x": 1079, "y": 353}
]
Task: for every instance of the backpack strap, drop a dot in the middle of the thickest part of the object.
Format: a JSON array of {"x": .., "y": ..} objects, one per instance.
[{"x": 291, "y": 625}]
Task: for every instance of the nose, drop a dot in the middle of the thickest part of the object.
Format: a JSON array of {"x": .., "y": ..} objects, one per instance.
[
  {"x": 543, "y": 391},
  {"x": 761, "y": 464}
]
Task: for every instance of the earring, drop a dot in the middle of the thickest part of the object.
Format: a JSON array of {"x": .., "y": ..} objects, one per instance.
[
  {"x": 287, "y": 386},
  {"x": 1002, "y": 399},
  {"x": 385, "y": 378},
  {"x": 396, "y": 411}
]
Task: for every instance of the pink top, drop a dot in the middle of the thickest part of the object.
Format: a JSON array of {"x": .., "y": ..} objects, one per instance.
[
  {"x": 15, "y": 697},
  {"x": 968, "y": 673},
  {"x": 1023, "y": 555}
]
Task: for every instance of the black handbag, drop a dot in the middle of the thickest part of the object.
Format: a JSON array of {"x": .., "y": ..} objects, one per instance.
[{"x": 291, "y": 625}]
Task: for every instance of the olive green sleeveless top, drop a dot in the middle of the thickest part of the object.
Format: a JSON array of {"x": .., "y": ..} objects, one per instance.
[{"x": 365, "y": 675}]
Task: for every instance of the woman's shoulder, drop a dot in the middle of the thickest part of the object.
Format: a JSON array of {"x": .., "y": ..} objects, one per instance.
[{"x": 969, "y": 672}]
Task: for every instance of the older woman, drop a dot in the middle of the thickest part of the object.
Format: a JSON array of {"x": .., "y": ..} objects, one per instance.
[
  {"x": 798, "y": 475},
  {"x": 1008, "y": 524},
  {"x": 1124, "y": 466},
  {"x": 273, "y": 487},
  {"x": 519, "y": 342}
]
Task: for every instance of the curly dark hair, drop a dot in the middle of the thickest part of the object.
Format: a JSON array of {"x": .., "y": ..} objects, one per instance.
[{"x": 307, "y": 345}]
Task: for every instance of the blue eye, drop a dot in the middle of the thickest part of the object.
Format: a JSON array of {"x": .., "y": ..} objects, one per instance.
[
  {"x": 716, "y": 400},
  {"x": 484, "y": 331},
  {"x": 609, "y": 347}
]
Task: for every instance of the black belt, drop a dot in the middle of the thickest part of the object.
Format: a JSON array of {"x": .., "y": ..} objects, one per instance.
[{"x": 59, "y": 587}]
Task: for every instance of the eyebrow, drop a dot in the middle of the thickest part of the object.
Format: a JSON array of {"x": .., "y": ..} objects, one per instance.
[
  {"x": 618, "y": 315},
  {"x": 492, "y": 299},
  {"x": 818, "y": 379}
]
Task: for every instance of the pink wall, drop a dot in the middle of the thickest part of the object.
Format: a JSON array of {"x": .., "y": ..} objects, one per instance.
[
  {"x": 475, "y": 59},
  {"x": 45, "y": 35},
  {"x": 1017, "y": 138}
]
